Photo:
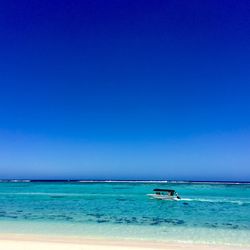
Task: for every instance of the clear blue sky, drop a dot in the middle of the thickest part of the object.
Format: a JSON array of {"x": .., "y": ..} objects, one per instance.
[{"x": 125, "y": 89}]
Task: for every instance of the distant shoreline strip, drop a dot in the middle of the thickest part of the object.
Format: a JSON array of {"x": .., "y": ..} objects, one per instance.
[{"x": 129, "y": 181}]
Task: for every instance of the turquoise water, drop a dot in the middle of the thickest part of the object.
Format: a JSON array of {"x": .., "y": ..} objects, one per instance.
[{"x": 207, "y": 213}]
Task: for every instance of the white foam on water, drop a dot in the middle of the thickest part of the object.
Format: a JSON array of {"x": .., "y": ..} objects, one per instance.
[{"x": 239, "y": 202}]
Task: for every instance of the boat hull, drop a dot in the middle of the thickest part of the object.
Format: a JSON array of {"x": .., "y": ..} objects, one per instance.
[{"x": 163, "y": 197}]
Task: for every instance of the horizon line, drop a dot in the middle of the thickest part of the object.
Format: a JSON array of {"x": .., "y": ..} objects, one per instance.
[{"x": 122, "y": 180}]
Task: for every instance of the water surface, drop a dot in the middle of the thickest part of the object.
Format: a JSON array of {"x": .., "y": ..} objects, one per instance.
[{"x": 207, "y": 213}]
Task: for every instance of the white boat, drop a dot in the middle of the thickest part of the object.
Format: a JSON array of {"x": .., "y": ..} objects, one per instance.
[{"x": 165, "y": 194}]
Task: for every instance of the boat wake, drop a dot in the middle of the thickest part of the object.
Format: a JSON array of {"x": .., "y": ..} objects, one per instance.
[{"x": 216, "y": 201}]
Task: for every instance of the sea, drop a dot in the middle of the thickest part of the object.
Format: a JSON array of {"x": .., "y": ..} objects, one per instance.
[{"x": 208, "y": 213}]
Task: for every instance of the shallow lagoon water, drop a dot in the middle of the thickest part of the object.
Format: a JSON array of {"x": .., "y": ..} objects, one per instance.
[{"x": 207, "y": 213}]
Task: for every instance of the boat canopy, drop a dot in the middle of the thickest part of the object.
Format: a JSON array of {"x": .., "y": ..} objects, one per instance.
[{"x": 171, "y": 191}]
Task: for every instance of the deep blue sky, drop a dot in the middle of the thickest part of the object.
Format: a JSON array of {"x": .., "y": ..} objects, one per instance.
[{"x": 125, "y": 89}]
